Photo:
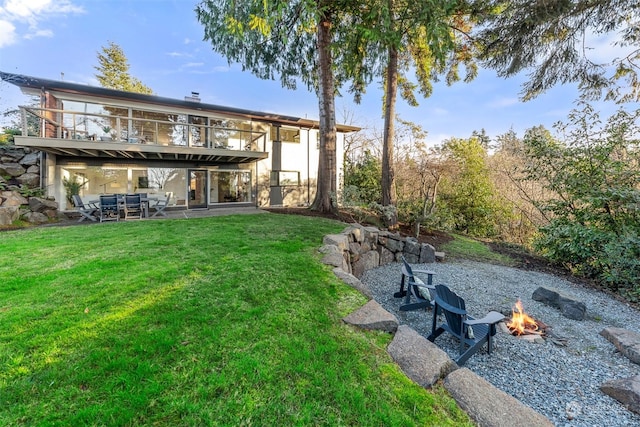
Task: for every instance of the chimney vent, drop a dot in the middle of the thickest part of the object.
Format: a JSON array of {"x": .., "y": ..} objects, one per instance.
[{"x": 195, "y": 97}]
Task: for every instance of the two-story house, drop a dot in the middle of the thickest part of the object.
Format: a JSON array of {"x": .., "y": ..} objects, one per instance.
[{"x": 200, "y": 155}]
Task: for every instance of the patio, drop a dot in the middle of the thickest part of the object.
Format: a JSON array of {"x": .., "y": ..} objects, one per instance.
[{"x": 72, "y": 216}]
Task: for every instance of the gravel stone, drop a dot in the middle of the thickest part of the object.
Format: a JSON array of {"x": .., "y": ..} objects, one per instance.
[{"x": 549, "y": 378}]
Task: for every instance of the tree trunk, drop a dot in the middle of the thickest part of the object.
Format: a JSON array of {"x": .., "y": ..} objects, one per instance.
[
  {"x": 326, "y": 185},
  {"x": 388, "y": 184}
]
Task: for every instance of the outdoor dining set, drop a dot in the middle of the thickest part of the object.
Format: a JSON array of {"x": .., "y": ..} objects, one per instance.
[{"x": 113, "y": 207}]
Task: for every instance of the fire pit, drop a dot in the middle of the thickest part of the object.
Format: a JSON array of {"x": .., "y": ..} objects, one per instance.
[{"x": 521, "y": 324}]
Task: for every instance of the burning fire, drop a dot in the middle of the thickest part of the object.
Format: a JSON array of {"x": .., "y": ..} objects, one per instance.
[{"x": 521, "y": 323}]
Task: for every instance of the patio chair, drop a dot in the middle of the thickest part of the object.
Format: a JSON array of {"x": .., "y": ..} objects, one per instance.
[
  {"x": 132, "y": 206},
  {"x": 472, "y": 333},
  {"x": 160, "y": 206},
  {"x": 416, "y": 289},
  {"x": 86, "y": 211},
  {"x": 109, "y": 210}
]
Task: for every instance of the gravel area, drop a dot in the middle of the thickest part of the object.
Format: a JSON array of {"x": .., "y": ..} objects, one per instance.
[{"x": 555, "y": 380}]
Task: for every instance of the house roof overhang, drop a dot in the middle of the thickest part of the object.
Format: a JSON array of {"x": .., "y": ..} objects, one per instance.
[
  {"x": 28, "y": 83},
  {"x": 140, "y": 152}
]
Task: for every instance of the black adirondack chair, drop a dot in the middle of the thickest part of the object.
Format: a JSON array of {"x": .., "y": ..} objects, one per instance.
[
  {"x": 417, "y": 294},
  {"x": 472, "y": 333}
]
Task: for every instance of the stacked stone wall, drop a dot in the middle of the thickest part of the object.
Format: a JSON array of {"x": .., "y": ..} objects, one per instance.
[
  {"x": 19, "y": 175},
  {"x": 359, "y": 248}
]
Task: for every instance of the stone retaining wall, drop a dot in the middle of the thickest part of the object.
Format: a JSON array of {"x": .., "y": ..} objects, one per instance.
[
  {"x": 19, "y": 172},
  {"x": 359, "y": 248}
]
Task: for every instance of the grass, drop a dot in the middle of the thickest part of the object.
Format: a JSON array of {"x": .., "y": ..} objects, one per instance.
[
  {"x": 215, "y": 321},
  {"x": 467, "y": 248}
]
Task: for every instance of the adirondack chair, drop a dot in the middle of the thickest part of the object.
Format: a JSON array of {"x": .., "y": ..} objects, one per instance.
[
  {"x": 86, "y": 211},
  {"x": 416, "y": 289},
  {"x": 472, "y": 333},
  {"x": 160, "y": 206}
]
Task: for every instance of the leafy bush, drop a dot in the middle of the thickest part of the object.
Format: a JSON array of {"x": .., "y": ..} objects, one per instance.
[
  {"x": 362, "y": 180},
  {"x": 594, "y": 226}
]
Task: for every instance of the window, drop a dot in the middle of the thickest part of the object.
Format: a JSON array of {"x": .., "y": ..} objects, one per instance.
[
  {"x": 230, "y": 186},
  {"x": 284, "y": 178},
  {"x": 285, "y": 134}
]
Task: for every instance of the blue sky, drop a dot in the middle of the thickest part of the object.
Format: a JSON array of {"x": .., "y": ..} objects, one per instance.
[{"x": 163, "y": 41}]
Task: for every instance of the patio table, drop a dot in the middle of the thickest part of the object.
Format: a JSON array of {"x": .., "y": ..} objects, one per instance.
[{"x": 145, "y": 204}]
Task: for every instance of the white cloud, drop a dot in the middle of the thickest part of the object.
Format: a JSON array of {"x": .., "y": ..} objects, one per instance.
[
  {"x": 438, "y": 111},
  {"x": 39, "y": 33},
  {"x": 20, "y": 18},
  {"x": 35, "y": 9},
  {"x": 7, "y": 33},
  {"x": 503, "y": 102},
  {"x": 221, "y": 69},
  {"x": 193, "y": 64},
  {"x": 437, "y": 139},
  {"x": 178, "y": 54}
]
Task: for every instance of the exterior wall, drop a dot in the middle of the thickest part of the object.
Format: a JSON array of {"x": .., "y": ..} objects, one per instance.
[{"x": 301, "y": 156}]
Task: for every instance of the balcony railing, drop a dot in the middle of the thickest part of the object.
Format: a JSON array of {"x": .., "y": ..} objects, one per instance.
[{"x": 67, "y": 124}]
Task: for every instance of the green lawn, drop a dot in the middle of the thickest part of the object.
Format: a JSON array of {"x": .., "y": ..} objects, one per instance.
[{"x": 216, "y": 321}]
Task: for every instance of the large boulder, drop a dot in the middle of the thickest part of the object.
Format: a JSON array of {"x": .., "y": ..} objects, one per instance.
[
  {"x": 13, "y": 198},
  {"x": 427, "y": 254},
  {"x": 569, "y": 306},
  {"x": 489, "y": 406},
  {"x": 9, "y": 214},
  {"x": 373, "y": 316},
  {"x": 30, "y": 159},
  {"x": 386, "y": 256},
  {"x": 627, "y": 342},
  {"x": 35, "y": 218},
  {"x": 356, "y": 232},
  {"x": 625, "y": 391},
  {"x": 421, "y": 360},
  {"x": 393, "y": 242},
  {"x": 11, "y": 169},
  {"x": 38, "y": 204},
  {"x": 412, "y": 249},
  {"x": 339, "y": 240},
  {"x": 366, "y": 261},
  {"x": 335, "y": 257},
  {"x": 30, "y": 180}
]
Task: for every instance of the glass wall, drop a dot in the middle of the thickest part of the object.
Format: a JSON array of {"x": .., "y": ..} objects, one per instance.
[
  {"x": 85, "y": 120},
  {"x": 93, "y": 181},
  {"x": 229, "y": 186},
  {"x": 101, "y": 122}
]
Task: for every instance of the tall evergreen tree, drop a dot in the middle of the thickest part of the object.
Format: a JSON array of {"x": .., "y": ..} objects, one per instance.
[
  {"x": 295, "y": 40},
  {"x": 398, "y": 36},
  {"x": 113, "y": 71},
  {"x": 554, "y": 40}
]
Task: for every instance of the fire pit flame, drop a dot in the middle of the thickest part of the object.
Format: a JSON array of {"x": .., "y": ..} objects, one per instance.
[{"x": 521, "y": 323}]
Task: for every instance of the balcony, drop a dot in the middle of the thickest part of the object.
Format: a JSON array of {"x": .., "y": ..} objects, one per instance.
[{"x": 111, "y": 136}]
